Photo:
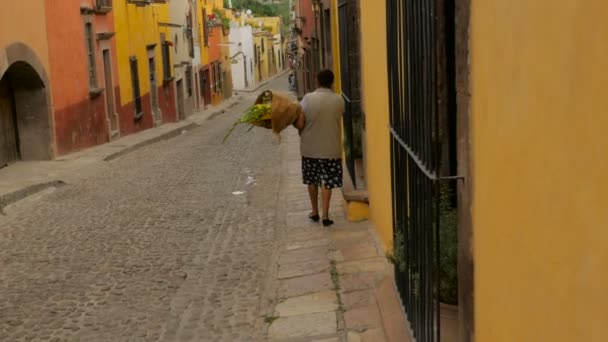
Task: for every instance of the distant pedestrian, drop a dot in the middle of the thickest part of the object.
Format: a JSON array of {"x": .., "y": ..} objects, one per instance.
[
  {"x": 292, "y": 81},
  {"x": 320, "y": 143}
]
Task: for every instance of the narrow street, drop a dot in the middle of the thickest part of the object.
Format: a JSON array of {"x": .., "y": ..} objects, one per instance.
[{"x": 172, "y": 242}]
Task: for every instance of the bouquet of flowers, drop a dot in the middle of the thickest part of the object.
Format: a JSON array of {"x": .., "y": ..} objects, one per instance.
[{"x": 270, "y": 111}]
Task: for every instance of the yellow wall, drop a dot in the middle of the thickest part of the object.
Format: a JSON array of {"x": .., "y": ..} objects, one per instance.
[
  {"x": 272, "y": 22},
  {"x": 374, "y": 92},
  {"x": 257, "y": 39},
  {"x": 24, "y": 22},
  {"x": 136, "y": 27},
  {"x": 201, "y": 31},
  {"x": 540, "y": 200}
]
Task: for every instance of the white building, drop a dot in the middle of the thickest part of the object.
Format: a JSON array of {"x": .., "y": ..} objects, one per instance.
[
  {"x": 182, "y": 21},
  {"x": 242, "y": 56}
]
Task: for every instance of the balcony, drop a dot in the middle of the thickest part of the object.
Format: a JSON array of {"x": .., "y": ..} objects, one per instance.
[{"x": 103, "y": 6}]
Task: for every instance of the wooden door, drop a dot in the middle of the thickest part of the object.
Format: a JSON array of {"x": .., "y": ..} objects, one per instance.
[{"x": 9, "y": 139}]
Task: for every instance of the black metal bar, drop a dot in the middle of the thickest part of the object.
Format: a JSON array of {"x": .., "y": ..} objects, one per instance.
[{"x": 428, "y": 173}]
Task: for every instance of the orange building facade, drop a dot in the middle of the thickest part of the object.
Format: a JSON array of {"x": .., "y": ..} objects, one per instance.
[{"x": 83, "y": 77}]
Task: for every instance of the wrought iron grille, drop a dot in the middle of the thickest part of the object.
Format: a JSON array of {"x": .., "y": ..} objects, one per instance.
[
  {"x": 350, "y": 86},
  {"x": 415, "y": 160},
  {"x": 104, "y": 3}
]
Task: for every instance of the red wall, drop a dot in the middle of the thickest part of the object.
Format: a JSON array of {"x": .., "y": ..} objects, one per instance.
[
  {"x": 80, "y": 121},
  {"x": 308, "y": 27}
]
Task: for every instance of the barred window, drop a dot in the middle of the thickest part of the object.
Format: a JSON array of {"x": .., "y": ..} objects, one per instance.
[
  {"x": 135, "y": 85},
  {"x": 88, "y": 36}
]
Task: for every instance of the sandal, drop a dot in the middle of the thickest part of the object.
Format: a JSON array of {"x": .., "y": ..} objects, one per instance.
[
  {"x": 327, "y": 222},
  {"x": 314, "y": 218}
]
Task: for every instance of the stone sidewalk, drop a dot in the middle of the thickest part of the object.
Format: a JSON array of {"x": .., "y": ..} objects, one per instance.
[{"x": 332, "y": 284}]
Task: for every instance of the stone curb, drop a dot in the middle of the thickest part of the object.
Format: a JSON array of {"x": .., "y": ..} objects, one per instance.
[
  {"x": 16, "y": 196},
  {"x": 164, "y": 136}
]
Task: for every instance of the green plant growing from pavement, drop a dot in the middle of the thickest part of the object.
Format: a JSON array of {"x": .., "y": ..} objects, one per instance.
[
  {"x": 335, "y": 278},
  {"x": 270, "y": 319}
]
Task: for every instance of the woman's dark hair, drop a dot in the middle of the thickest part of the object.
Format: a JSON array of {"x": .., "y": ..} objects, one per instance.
[{"x": 325, "y": 78}]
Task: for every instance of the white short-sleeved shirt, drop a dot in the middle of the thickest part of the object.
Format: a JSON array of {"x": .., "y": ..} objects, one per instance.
[{"x": 321, "y": 137}]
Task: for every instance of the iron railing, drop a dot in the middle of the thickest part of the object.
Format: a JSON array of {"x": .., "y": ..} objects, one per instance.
[
  {"x": 351, "y": 150},
  {"x": 415, "y": 160},
  {"x": 349, "y": 54},
  {"x": 104, "y": 3}
]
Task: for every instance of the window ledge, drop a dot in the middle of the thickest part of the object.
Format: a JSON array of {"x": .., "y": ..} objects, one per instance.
[
  {"x": 105, "y": 35},
  {"x": 167, "y": 80},
  {"x": 86, "y": 9},
  {"x": 349, "y": 192},
  {"x": 95, "y": 92},
  {"x": 103, "y": 10},
  {"x": 138, "y": 116}
]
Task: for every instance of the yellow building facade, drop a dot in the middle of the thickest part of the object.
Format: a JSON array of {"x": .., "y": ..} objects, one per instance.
[
  {"x": 540, "y": 200},
  {"x": 261, "y": 44},
  {"x": 270, "y": 24},
  {"x": 141, "y": 34}
]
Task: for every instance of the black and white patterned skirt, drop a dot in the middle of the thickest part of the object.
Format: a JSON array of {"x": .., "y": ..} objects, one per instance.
[{"x": 326, "y": 172}]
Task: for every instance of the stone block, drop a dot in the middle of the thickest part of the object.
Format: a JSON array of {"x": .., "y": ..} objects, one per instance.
[
  {"x": 302, "y": 269},
  {"x": 313, "y": 303},
  {"x": 307, "y": 244},
  {"x": 357, "y": 299},
  {"x": 360, "y": 281},
  {"x": 362, "y": 266},
  {"x": 304, "y": 285},
  {"x": 303, "y": 327},
  {"x": 362, "y": 319},
  {"x": 394, "y": 321},
  {"x": 303, "y": 255}
]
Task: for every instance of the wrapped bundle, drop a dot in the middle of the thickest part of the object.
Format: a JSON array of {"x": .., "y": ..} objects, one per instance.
[
  {"x": 284, "y": 111},
  {"x": 272, "y": 111}
]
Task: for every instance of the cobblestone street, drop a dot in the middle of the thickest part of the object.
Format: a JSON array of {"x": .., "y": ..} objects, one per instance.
[{"x": 173, "y": 242}]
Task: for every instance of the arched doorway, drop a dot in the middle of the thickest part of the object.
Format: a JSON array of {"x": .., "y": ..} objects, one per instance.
[{"x": 25, "y": 126}]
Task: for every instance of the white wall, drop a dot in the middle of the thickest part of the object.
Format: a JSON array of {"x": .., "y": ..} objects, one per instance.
[
  {"x": 241, "y": 38},
  {"x": 178, "y": 10}
]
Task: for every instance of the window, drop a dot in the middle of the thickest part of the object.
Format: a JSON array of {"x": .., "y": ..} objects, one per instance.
[
  {"x": 189, "y": 80},
  {"x": 255, "y": 53},
  {"x": 263, "y": 50},
  {"x": 135, "y": 86},
  {"x": 166, "y": 53},
  {"x": 88, "y": 36},
  {"x": 220, "y": 77},
  {"x": 205, "y": 27},
  {"x": 214, "y": 78},
  {"x": 190, "y": 34},
  {"x": 103, "y": 4},
  {"x": 201, "y": 77}
]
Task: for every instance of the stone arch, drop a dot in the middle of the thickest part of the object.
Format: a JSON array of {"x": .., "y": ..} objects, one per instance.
[{"x": 25, "y": 106}]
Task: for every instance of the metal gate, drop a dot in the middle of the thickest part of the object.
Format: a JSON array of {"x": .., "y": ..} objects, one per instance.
[
  {"x": 415, "y": 160},
  {"x": 350, "y": 87}
]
